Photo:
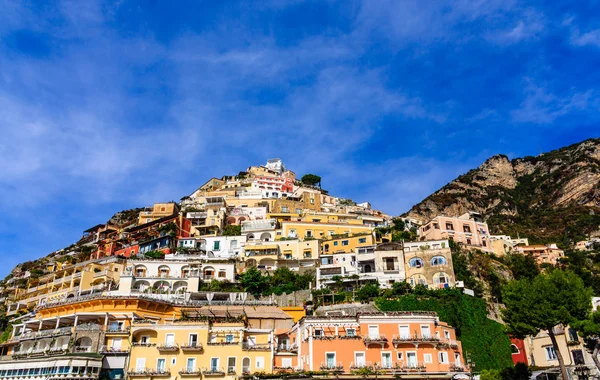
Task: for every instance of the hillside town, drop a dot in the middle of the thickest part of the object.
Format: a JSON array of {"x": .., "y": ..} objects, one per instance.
[{"x": 180, "y": 290}]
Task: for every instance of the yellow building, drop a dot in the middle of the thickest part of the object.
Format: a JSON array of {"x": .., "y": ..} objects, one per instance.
[
  {"x": 292, "y": 254},
  {"x": 220, "y": 342},
  {"x": 69, "y": 281},
  {"x": 310, "y": 230},
  {"x": 347, "y": 243},
  {"x": 138, "y": 337},
  {"x": 160, "y": 210}
]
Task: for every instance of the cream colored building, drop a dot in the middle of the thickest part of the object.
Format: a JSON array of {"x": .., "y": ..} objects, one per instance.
[
  {"x": 159, "y": 210},
  {"x": 429, "y": 263},
  {"x": 468, "y": 229},
  {"x": 540, "y": 352}
]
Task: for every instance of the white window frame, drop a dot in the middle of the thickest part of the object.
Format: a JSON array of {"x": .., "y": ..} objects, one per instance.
[
  {"x": 364, "y": 358},
  {"x": 234, "y": 361},
  {"x": 391, "y": 364},
  {"x": 334, "y": 357},
  {"x": 427, "y": 358},
  {"x": 286, "y": 362},
  {"x": 158, "y": 361},
  {"x": 369, "y": 331},
  {"x": 187, "y": 364},
  {"x": 441, "y": 356},
  {"x": 426, "y": 327},
  {"x": 548, "y": 350},
  {"x": 218, "y": 363}
]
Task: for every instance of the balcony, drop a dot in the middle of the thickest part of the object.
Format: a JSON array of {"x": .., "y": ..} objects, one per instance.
[
  {"x": 113, "y": 351},
  {"x": 117, "y": 330},
  {"x": 231, "y": 371},
  {"x": 192, "y": 347},
  {"x": 167, "y": 347},
  {"x": 223, "y": 343},
  {"x": 413, "y": 367},
  {"x": 416, "y": 338},
  {"x": 138, "y": 372},
  {"x": 457, "y": 368},
  {"x": 359, "y": 365},
  {"x": 381, "y": 339},
  {"x": 287, "y": 348},
  {"x": 337, "y": 367},
  {"x": 190, "y": 372},
  {"x": 256, "y": 347},
  {"x": 143, "y": 344},
  {"x": 214, "y": 371}
]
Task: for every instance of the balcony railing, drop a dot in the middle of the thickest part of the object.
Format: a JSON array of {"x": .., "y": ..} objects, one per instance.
[
  {"x": 339, "y": 366},
  {"x": 113, "y": 351},
  {"x": 231, "y": 371},
  {"x": 255, "y": 347},
  {"x": 149, "y": 372},
  {"x": 223, "y": 343},
  {"x": 143, "y": 344},
  {"x": 397, "y": 339},
  {"x": 190, "y": 372},
  {"x": 168, "y": 347},
  {"x": 359, "y": 365},
  {"x": 375, "y": 339},
  {"x": 456, "y": 368},
  {"x": 192, "y": 347},
  {"x": 118, "y": 330},
  {"x": 213, "y": 371},
  {"x": 413, "y": 366}
]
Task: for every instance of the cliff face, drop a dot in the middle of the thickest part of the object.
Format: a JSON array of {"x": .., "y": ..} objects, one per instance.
[{"x": 554, "y": 196}]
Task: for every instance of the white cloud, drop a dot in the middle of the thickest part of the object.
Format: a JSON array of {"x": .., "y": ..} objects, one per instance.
[{"x": 541, "y": 106}]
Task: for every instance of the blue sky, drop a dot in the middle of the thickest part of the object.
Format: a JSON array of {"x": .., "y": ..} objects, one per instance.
[{"x": 112, "y": 105}]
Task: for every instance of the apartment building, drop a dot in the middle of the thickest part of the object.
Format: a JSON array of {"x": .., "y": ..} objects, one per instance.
[
  {"x": 176, "y": 276},
  {"x": 543, "y": 254},
  {"x": 539, "y": 351},
  {"x": 317, "y": 230},
  {"x": 468, "y": 229},
  {"x": 210, "y": 342},
  {"x": 401, "y": 343},
  {"x": 223, "y": 247},
  {"x": 504, "y": 244},
  {"x": 383, "y": 263},
  {"x": 429, "y": 263},
  {"x": 69, "y": 281},
  {"x": 296, "y": 255},
  {"x": 158, "y": 211}
]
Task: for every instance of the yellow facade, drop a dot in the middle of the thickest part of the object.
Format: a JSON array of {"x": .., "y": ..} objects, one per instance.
[
  {"x": 194, "y": 348},
  {"x": 72, "y": 280},
  {"x": 160, "y": 210},
  {"x": 296, "y": 312},
  {"x": 305, "y": 230},
  {"x": 347, "y": 243}
]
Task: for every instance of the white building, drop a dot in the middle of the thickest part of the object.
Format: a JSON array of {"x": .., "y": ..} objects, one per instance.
[
  {"x": 174, "y": 275},
  {"x": 383, "y": 263}
]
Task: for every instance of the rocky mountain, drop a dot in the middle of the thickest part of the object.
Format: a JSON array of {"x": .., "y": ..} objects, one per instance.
[{"x": 551, "y": 197}]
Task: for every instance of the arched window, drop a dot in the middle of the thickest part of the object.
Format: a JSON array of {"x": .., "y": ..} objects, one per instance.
[
  {"x": 416, "y": 262},
  {"x": 514, "y": 349},
  {"x": 438, "y": 260}
]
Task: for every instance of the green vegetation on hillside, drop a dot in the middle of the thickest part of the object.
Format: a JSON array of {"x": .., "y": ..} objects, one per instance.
[{"x": 484, "y": 340}]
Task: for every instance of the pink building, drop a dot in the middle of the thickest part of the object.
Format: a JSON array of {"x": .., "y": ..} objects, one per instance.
[{"x": 468, "y": 229}]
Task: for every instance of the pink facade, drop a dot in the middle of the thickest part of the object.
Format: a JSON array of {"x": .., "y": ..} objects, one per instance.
[
  {"x": 543, "y": 254},
  {"x": 394, "y": 343},
  {"x": 468, "y": 229}
]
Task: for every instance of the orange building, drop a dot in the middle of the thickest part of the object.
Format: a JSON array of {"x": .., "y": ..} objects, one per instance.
[{"x": 399, "y": 343}]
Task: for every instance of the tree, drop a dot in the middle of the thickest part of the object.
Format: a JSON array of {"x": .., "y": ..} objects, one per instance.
[
  {"x": 231, "y": 230},
  {"x": 490, "y": 374},
  {"x": 522, "y": 266},
  {"x": 254, "y": 282},
  {"x": 311, "y": 180},
  {"x": 543, "y": 302},
  {"x": 367, "y": 292}
]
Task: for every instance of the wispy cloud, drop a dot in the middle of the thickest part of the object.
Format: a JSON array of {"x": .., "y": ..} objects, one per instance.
[{"x": 543, "y": 107}]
